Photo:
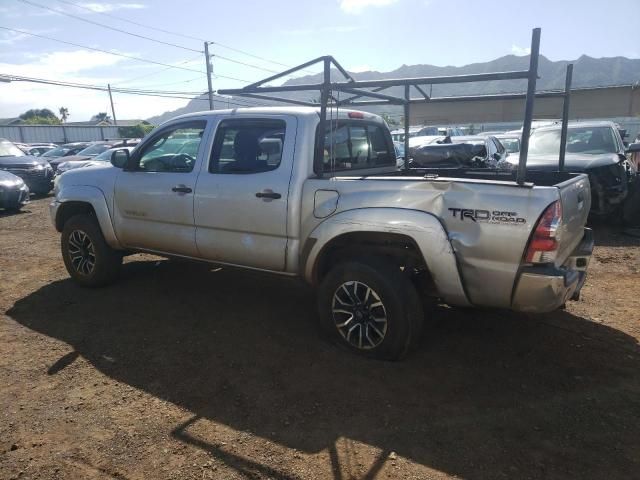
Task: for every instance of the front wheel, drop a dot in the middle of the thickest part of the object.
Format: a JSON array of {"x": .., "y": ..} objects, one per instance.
[
  {"x": 371, "y": 308},
  {"x": 90, "y": 261}
]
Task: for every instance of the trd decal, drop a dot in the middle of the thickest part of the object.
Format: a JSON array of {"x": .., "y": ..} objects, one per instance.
[{"x": 488, "y": 216}]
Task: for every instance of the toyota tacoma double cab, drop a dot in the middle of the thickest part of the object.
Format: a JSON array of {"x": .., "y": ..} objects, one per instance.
[{"x": 374, "y": 241}]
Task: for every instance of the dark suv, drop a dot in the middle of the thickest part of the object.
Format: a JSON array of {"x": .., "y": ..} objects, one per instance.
[{"x": 35, "y": 171}]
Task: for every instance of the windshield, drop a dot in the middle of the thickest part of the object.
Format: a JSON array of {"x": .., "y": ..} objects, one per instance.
[
  {"x": 585, "y": 140},
  {"x": 56, "y": 152},
  {"x": 94, "y": 150},
  {"x": 8, "y": 149},
  {"x": 511, "y": 145},
  {"x": 106, "y": 155}
]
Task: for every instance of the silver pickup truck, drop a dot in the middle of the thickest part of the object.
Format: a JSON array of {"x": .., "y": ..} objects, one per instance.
[{"x": 238, "y": 188}]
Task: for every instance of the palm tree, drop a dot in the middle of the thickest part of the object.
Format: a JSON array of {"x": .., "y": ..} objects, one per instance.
[{"x": 64, "y": 113}]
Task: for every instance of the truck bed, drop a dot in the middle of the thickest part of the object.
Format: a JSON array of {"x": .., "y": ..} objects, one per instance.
[{"x": 541, "y": 178}]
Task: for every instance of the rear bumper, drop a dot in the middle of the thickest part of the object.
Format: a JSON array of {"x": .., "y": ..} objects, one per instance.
[{"x": 545, "y": 288}]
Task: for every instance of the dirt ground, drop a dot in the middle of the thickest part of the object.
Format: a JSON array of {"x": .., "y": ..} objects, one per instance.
[{"x": 185, "y": 372}]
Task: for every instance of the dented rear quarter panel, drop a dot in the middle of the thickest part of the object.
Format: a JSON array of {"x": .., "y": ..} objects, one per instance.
[{"x": 488, "y": 251}]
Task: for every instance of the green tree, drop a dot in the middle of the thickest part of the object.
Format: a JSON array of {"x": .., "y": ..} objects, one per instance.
[
  {"x": 135, "y": 131},
  {"x": 64, "y": 114},
  {"x": 42, "y": 116},
  {"x": 101, "y": 117}
]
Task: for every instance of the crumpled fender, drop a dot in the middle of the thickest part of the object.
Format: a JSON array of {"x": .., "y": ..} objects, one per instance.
[
  {"x": 424, "y": 228},
  {"x": 93, "y": 196}
]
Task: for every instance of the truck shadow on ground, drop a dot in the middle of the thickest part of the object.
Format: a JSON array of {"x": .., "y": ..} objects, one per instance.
[{"x": 487, "y": 395}]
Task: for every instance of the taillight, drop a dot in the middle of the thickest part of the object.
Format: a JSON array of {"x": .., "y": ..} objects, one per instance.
[{"x": 543, "y": 246}]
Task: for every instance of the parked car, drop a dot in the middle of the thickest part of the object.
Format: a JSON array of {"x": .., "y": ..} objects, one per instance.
[
  {"x": 372, "y": 240},
  {"x": 594, "y": 148},
  {"x": 457, "y": 152},
  {"x": 22, "y": 146},
  {"x": 93, "y": 150},
  {"x": 491, "y": 133},
  {"x": 511, "y": 142},
  {"x": 35, "y": 171},
  {"x": 65, "y": 150},
  {"x": 439, "y": 130},
  {"x": 37, "y": 149},
  {"x": 104, "y": 157},
  {"x": 421, "y": 140},
  {"x": 398, "y": 134},
  {"x": 14, "y": 193},
  {"x": 399, "y": 148}
]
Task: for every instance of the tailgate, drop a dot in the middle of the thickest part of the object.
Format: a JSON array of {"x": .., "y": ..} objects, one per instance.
[{"x": 575, "y": 196}]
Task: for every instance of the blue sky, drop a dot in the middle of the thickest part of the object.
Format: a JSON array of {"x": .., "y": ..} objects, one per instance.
[{"x": 362, "y": 34}]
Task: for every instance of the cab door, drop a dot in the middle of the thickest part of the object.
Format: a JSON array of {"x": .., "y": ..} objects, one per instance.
[
  {"x": 153, "y": 198},
  {"x": 241, "y": 203}
]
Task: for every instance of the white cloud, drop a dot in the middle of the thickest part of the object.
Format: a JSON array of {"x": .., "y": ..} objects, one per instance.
[
  {"x": 111, "y": 7},
  {"x": 56, "y": 65},
  {"x": 357, "y": 6},
  {"x": 520, "y": 51}
]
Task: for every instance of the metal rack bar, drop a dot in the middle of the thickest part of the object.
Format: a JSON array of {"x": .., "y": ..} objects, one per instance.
[
  {"x": 357, "y": 88},
  {"x": 528, "y": 106},
  {"x": 565, "y": 116}
]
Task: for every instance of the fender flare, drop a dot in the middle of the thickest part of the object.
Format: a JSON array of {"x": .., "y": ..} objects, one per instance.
[
  {"x": 424, "y": 228},
  {"x": 96, "y": 198}
]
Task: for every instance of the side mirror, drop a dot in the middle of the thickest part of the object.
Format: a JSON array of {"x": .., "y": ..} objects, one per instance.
[
  {"x": 120, "y": 158},
  {"x": 633, "y": 147},
  {"x": 496, "y": 156}
]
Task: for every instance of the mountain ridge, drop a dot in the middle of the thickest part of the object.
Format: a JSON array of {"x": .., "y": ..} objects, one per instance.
[{"x": 587, "y": 72}]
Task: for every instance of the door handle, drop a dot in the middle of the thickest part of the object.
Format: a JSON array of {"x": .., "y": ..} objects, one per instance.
[
  {"x": 272, "y": 195},
  {"x": 181, "y": 189}
]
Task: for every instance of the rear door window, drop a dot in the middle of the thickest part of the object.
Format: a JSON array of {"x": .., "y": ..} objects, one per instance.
[{"x": 244, "y": 146}]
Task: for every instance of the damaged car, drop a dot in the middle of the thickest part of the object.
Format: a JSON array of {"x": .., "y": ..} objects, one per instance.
[
  {"x": 594, "y": 148},
  {"x": 459, "y": 152}
]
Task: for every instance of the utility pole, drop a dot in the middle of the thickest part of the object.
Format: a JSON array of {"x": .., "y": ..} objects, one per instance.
[
  {"x": 207, "y": 59},
  {"x": 113, "y": 110}
]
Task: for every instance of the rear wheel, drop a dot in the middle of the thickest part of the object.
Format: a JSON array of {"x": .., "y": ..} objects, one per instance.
[
  {"x": 87, "y": 257},
  {"x": 371, "y": 308}
]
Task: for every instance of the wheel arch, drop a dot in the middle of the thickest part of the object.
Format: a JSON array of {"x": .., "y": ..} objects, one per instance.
[
  {"x": 84, "y": 199},
  {"x": 417, "y": 236}
]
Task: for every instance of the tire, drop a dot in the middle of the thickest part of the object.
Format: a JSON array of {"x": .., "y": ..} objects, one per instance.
[
  {"x": 348, "y": 311},
  {"x": 87, "y": 257}
]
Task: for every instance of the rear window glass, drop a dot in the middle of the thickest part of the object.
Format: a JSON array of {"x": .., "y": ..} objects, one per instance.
[{"x": 351, "y": 146}]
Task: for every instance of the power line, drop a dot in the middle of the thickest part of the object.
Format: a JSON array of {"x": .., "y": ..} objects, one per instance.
[
  {"x": 108, "y": 27},
  {"x": 131, "y": 21},
  {"x": 158, "y": 71},
  {"x": 244, "y": 63},
  {"x": 174, "y": 83},
  {"x": 237, "y": 50},
  {"x": 130, "y": 57},
  {"x": 127, "y": 91}
]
